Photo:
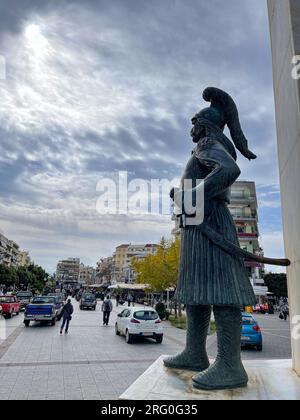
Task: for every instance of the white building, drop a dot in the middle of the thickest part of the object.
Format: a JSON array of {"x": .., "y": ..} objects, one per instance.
[
  {"x": 86, "y": 274},
  {"x": 9, "y": 252}
]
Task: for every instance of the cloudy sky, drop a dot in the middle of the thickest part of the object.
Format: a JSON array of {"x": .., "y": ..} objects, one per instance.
[{"x": 97, "y": 87}]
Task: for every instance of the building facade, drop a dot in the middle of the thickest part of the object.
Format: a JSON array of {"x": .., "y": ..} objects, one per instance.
[
  {"x": 244, "y": 210},
  {"x": 86, "y": 274},
  {"x": 123, "y": 255},
  {"x": 68, "y": 270},
  {"x": 24, "y": 259},
  {"x": 105, "y": 271},
  {"x": 9, "y": 252}
]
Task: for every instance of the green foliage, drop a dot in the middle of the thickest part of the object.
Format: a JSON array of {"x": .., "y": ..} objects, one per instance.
[
  {"x": 277, "y": 284},
  {"x": 159, "y": 271},
  {"x": 181, "y": 323},
  {"x": 8, "y": 276},
  {"x": 34, "y": 276},
  {"x": 161, "y": 310}
]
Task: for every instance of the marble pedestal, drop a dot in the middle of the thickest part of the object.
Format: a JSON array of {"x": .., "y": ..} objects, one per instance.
[{"x": 268, "y": 380}]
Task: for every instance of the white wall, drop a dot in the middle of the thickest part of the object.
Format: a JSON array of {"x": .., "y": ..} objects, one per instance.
[{"x": 285, "y": 37}]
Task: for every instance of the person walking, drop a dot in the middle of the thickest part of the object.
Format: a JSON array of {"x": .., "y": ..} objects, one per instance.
[
  {"x": 285, "y": 311},
  {"x": 117, "y": 299},
  {"x": 67, "y": 316},
  {"x": 133, "y": 300},
  {"x": 129, "y": 299},
  {"x": 107, "y": 307}
]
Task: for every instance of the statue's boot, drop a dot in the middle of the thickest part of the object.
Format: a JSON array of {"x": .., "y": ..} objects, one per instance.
[
  {"x": 194, "y": 357},
  {"x": 228, "y": 371}
]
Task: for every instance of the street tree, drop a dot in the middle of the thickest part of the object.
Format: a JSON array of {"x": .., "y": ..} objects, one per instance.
[
  {"x": 159, "y": 271},
  {"x": 277, "y": 284}
]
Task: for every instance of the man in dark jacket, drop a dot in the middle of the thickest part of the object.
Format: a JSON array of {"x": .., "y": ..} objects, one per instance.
[
  {"x": 107, "y": 307},
  {"x": 67, "y": 316}
]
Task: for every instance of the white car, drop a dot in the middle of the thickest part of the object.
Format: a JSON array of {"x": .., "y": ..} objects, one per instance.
[{"x": 139, "y": 322}]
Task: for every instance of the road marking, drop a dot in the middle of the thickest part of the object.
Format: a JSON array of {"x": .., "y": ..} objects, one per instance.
[
  {"x": 76, "y": 363},
  {"x": 4, "y": 347}
]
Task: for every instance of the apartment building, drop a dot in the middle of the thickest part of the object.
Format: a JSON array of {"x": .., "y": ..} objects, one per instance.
[
  {"x": 9, "y": 252},
  {"x": 105, "y": 270},
  {"x": 68, "y": 270},
  {"x": 244, "y": 210},
  {"x": 24, "y": 259},
  {"x": 86, "y": 274},
  {"x": 123, "y": 256}
]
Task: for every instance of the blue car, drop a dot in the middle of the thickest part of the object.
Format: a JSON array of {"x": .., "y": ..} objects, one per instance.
[{"x": 251, "y": 333}]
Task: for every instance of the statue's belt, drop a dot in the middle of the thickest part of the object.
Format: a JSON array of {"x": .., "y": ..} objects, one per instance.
[{"x": 231, "y": 248}]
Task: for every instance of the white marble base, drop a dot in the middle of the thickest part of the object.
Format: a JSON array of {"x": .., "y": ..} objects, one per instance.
[{"x": 268, "y": 380}]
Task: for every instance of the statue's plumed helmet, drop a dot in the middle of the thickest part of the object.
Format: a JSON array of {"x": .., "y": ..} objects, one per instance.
[
  {"x": 222, "y": 112},
  {"x": 213, "y": 115}
]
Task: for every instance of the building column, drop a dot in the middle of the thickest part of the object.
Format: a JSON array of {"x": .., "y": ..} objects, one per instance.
[{"x": 284, "y": 17}]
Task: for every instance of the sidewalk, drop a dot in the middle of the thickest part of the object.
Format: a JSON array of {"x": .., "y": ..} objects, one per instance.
[{"x": 89, "y": 363}]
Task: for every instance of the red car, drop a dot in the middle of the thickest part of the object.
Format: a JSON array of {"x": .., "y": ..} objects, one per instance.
[{"x": 10, "y": 306}]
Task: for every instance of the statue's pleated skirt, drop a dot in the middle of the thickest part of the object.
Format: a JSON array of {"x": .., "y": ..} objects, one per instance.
[{"x": 209, "y": 275}]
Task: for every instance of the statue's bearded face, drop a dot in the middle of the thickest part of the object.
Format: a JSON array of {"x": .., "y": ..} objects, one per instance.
[{"x": 198, "y": 131}]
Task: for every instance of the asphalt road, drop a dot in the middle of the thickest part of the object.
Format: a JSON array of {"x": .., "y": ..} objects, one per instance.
[{"x": 276, "y": 340}]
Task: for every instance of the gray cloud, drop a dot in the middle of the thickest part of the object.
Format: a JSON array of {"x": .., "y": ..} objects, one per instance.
[{"x": 98, "y": 87}]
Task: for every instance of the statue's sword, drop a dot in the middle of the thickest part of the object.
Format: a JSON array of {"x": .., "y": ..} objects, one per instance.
[{"x": 233, "y": 249}]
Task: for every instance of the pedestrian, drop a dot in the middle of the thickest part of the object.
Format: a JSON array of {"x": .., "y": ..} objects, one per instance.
[
  {"x": 284, "y": 310},
  {"x": 117, "y": 299},
  {"x": 129, "y": 299},
  {"x": 133, "y": 300},
  {"x": 67, "y": 316},
  {"x": 107, "y": 307}
]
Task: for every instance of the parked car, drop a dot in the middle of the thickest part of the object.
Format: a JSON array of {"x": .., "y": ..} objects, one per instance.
[
  {"x": 88, "y": 301},
  {"x": 43, "y": 309},
  {"x": 10, "y": 306},
  {"x": 251, "y": 332},
  {"x": 139, "y": 322},
  {"x": 262, "y": 309},
  {"x": 24, "y": 298}
]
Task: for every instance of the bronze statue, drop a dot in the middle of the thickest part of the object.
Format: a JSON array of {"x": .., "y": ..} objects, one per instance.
[{"x": 212, "y": 270}]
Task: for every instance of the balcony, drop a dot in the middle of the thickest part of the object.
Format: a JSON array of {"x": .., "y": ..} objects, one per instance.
[
  {"x": 247, "y": 235},
  {"x": 253, "y": 264}
]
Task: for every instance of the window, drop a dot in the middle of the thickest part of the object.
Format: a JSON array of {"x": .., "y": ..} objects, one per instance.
[
  {"x": 146, "y": 315},
  {"x": 247, "y": 320},
  {"x": 125, "y": 313}
]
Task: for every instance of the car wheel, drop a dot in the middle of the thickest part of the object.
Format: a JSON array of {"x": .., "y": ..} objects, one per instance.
[
  {"x": 260, "y": 348},
  {"x": 128, "y": 338},
  {"x": 80, "y": 307},
  {"x": 159, "y": 340},
  {"x": 9, "y": 316},
  {"x": 53, "y": 322},
  {"x": 27, "y": 323},
  {"x": 117, "y": 330}
]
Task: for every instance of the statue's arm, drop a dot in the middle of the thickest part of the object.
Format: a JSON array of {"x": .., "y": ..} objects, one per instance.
[{"x": 223, "y": 169}]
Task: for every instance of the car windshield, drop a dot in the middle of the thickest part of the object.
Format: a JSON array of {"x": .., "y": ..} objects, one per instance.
[
  {"x": 24, "y": 295},
  {"x": 247, "y": 320},
  {"x": 43, "y": 300},
  {"x": 89, "y": 297},
  {"x": 6, "y": 299},
  {"x": 146, "y": 315}
]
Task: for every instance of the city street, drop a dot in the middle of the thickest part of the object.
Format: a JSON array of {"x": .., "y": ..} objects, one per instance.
[{"x": 92, "y": 362}]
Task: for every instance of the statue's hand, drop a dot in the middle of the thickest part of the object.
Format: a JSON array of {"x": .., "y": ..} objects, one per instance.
[{"x": 249, "y": 155}]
